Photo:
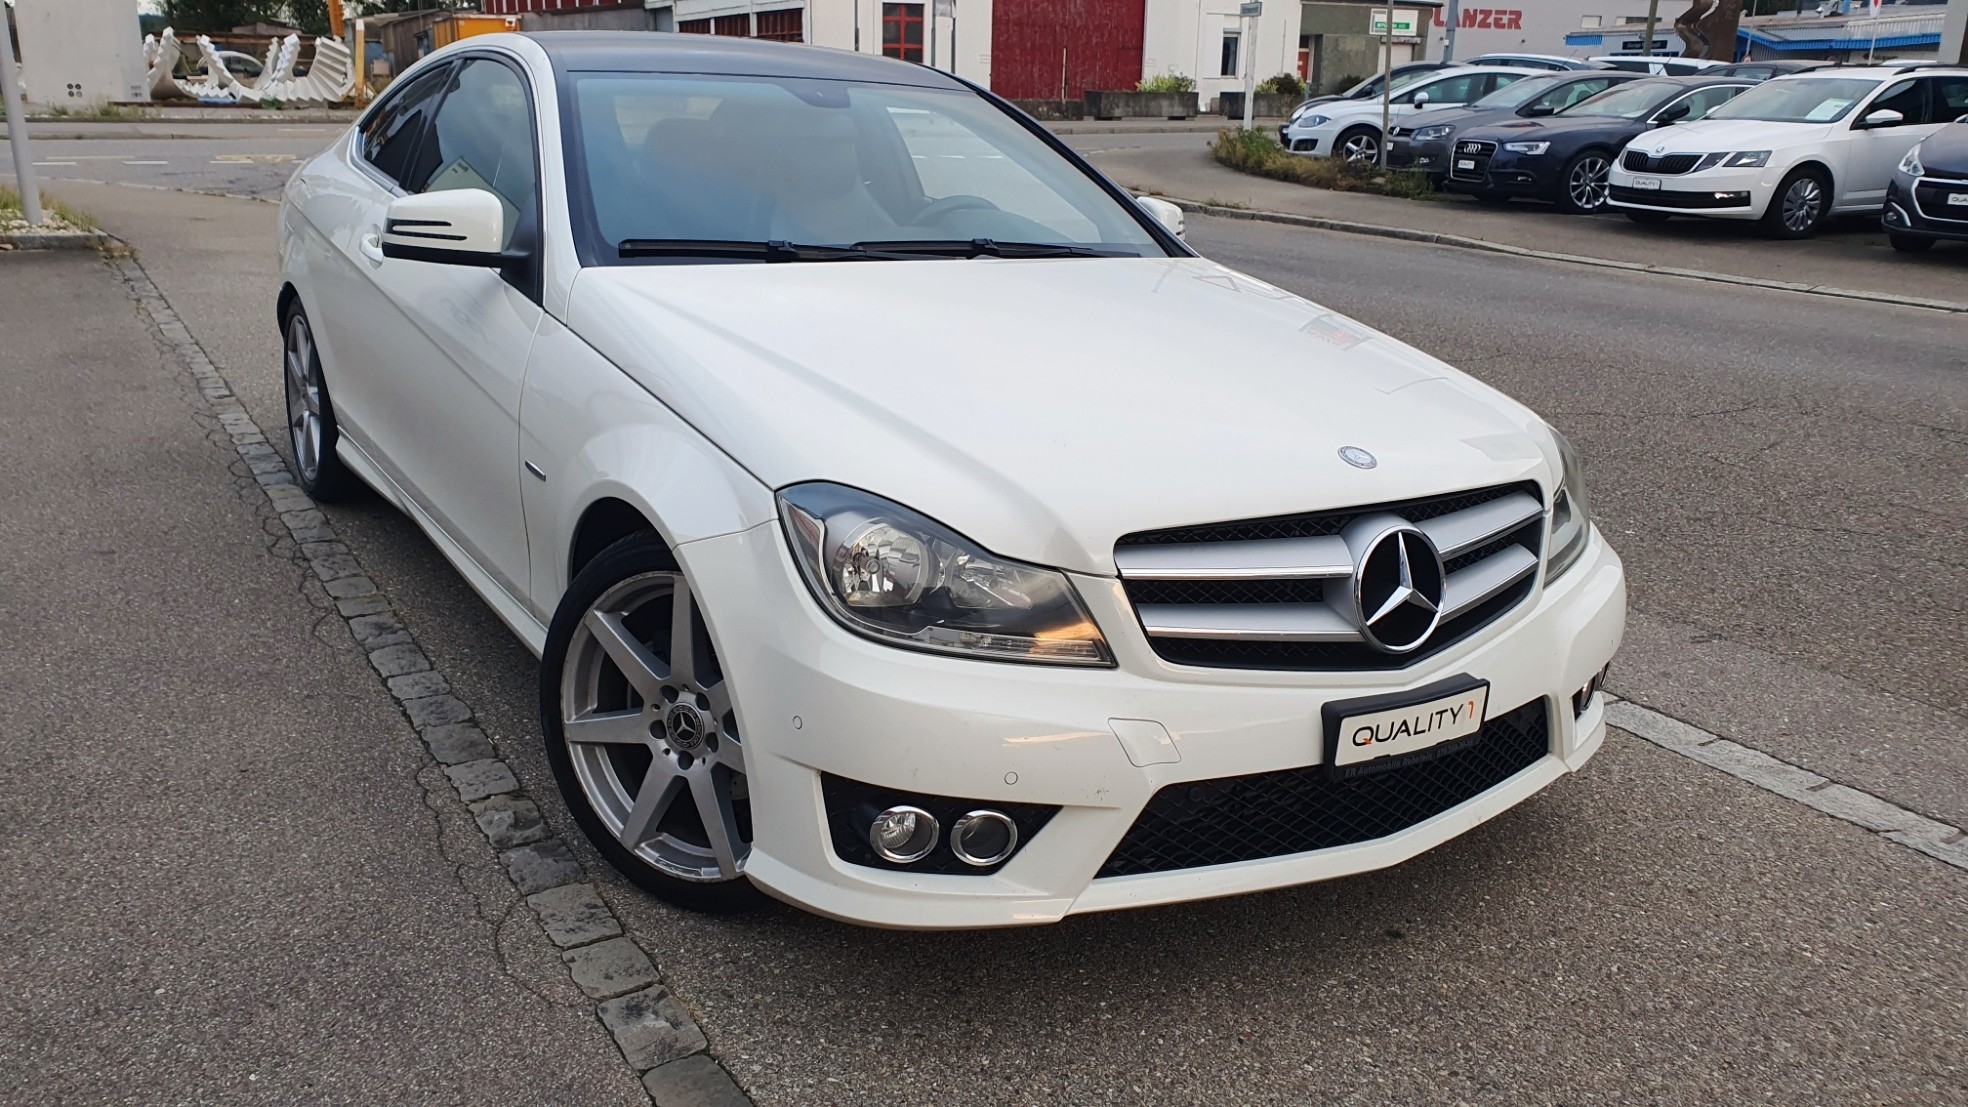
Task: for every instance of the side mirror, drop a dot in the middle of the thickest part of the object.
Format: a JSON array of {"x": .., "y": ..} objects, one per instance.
[
  {"x": 1165, "y": 213},
  {"x": 1540, "y": 109},
  {"x": 1421, "y": 100},
  {"x": 461, "y": 226},
  {"x": 1884, "y": 117},
  {"x": 1674, "y": 114}
]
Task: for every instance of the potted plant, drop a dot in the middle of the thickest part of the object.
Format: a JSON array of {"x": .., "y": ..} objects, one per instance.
[{"x": 1169, "y": 96}]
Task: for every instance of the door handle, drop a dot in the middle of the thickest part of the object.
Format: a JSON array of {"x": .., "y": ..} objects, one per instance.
[{"x": 372, "y": 247}]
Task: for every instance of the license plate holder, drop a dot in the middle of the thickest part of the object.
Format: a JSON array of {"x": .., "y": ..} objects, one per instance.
[
  {"x": 1403, "y": 728},
  {"x": 1647, "y": 184},
  {"x": 1957, "y": 200},
  {"x": 1465, "y": 163}
]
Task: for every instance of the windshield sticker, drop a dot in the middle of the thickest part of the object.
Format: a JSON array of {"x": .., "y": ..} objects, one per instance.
[{"x": 1827, "y": 111}]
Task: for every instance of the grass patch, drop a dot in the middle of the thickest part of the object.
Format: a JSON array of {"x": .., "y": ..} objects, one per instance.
[
  {"x": 1258, "y": 153},
  {"x": 58, "y": 216}
]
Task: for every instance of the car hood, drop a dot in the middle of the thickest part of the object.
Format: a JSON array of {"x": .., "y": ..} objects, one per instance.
[
  {"x": 1713, "y": 135},
  {"x": 1046, "y": 407},
  {"x": 1543, "y": 127},
  {"x": 1946, "y": 150}
]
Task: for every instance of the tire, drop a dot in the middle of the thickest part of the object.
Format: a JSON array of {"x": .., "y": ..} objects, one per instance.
[
  {"x": 1910, "y": 243},
  {"x": 646, "y": 715},
  {"x": 1358, "y": 144},
  {"x": 1584, "y": 187},
  {"x": 1800, "y": 204},
  {"x": 1648, "y": 216},
  {"x": 312, "y": 431}
]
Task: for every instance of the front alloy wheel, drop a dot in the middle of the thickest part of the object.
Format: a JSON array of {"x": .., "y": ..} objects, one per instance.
[
  {"x": 1362, "y": 144},
  {"x": 642, "y": 733},
  {"x": 1799, "y": 206},
  {"x": 1588, "y": 183}
]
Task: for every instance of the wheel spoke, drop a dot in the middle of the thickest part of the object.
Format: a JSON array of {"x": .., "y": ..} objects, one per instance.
[
  {"x": 731, "y": 753},
  {"x": 683, "y": 630},
  {"x": 618, "y": 728},
  {"x": 661, "y": 786},
  {"x": 643, "y": 670},
  {"x": 712, "y": 791}
]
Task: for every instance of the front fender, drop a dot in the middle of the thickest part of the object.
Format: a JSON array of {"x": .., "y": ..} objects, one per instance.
[{"x": 597, "y": 435}]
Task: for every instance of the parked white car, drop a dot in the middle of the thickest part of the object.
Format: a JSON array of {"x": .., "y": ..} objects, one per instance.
[
  {"x": 1655, "y": 65},
  {"x": 1351, "y": 128},
  {"x": 909, "y": 524},
  {"x": 1793, "y": 150}
]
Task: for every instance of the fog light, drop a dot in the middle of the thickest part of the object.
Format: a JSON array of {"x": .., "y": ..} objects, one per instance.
[
  {"x": 1737, "y": 197},
  {"x": 1582, "y": 698},
  {"x": 903, "y": 834},
  {"x": 983, "y": 838},
  {"x": 1896, "y": 215}
]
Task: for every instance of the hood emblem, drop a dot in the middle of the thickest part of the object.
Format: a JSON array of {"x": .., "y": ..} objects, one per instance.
[
  {"x": 1398, "y": 586},
  {"x": 1357, "y": 457}
]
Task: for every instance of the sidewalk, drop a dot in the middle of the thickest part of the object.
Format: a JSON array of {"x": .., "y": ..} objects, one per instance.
[
  {"x": 1852, "y": 255},
  {"x": 233, "y": 874}
]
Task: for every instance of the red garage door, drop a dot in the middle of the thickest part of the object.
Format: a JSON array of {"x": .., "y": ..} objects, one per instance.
[{"x": 1039, "y": 47}]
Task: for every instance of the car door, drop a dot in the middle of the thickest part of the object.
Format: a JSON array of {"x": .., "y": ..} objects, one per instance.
[
  {"x": 1447, "y": 92},
  {"x": 1873, "y": 150},
  {"x": 449, "y": 343}
]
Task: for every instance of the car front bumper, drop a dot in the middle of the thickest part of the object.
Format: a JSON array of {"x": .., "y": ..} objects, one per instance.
[
  {"x": 1928, "y": 213},
  {"x": 1315, "y": 141},
  {"x": 1430, "y": 157},
  {"x": 813, "y": 699},
  {"x": 1527, "y": 176},
  {"x": 1713, "y": 193}
]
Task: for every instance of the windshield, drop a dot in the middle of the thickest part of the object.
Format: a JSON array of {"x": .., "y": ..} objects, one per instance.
[
  {"x": 696, "y": 160},
  {"x": 1798, "y": 100},
  {"x": 1514, "y": 94},
  {"x": 1628, "y": 101},
  {"x": 1371, "y": 86}
]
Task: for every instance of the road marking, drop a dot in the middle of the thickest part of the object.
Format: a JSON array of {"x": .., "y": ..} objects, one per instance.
[
  {"x": 146, "y": 163},
  {"x": 1890, "y": 821},
  {"x": 250, "y": 159},
  {"x": 40, "y": 163}
]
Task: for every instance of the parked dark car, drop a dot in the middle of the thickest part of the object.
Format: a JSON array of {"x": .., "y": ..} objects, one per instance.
[
  {"x": 1423, "y": 142},
  {"x": 1762, "y": 70},
  {"x": 1927, "y": 199},
  {"x": 1565, "y": 158}
]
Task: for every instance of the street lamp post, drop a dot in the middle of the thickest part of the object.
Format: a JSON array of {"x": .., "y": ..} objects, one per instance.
[
  {"x": 1247, "y": 14},
  {"x": 10, "y": 95}
]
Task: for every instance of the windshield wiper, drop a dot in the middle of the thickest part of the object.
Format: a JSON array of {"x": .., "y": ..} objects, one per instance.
[
  {"x": 739, "y": 249},
  {"x": 986, "y": 247}
]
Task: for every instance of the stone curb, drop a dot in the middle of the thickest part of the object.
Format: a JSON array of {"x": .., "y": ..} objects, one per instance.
[
  {"x": 652, "y": 1028},
  {"x": 1435, "y": 238},
  {"x": 54, "y": 240}
]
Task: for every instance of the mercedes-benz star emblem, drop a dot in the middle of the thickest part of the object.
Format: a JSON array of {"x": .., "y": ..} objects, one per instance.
[
  {"x": 1357, "y": 457},
  {"x": 683, "y": 727},
  {"x": 1398, "y": 590}
]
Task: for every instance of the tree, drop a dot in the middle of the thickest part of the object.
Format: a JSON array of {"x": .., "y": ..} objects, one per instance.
[
  {"x": 376, "y": 7},
  {"x": 311, "y": 16},
  {"x": 220, "y": 15}
]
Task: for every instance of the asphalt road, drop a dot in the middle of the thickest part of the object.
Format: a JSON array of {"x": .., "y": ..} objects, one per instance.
[{"x": 1785, "y": 477}]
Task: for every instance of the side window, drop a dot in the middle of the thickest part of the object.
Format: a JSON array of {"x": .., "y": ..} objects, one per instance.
[
  {"x": 1909, "y": 98},
  {"x": 1949, "y": 99},
  {"x": 1450, "y": 90},
  {"x": 1707, "y": 100},
  {"x": 1566, "y": 96},
  {"x": 482, "y": 138},
  {"x": 1497, "y": 81},
  {"x": 389, "y": 135}
]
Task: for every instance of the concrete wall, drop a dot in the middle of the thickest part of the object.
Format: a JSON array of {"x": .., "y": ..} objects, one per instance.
[
  {"x": 1186, "y": 37},
  {"x": 607, "y": 19},
  {"x": 1954, "y": 34},
  {"x": 80, "y": 54}
]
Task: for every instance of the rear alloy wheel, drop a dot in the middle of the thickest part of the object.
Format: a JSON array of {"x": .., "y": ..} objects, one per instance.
[
  {"x": 1800, "y": 205},
  {"x": 1910, "y": 243},
  {"x": 1359, "y": 145},
  {"x": 311, "y": 428},
  {"x": 642, "y": 733},
  {"x": 1588, "y": 183}
]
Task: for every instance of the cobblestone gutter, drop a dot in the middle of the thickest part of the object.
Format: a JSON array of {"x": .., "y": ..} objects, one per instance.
[{"x": 656, "y": 1033}]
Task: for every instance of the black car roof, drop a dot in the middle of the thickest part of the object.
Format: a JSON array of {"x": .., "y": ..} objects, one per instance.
[{"x": 662, "y": 52}]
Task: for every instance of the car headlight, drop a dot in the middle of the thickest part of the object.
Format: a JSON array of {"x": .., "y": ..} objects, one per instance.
[
  {"x": 1531, "y": 148},
  {"x": 896, "y": 576},
  {"x": 1312, "y": 121},
  {"x": 1747, "y": 159},
  {"x": 1910, "y": 165},
  {"x": 1430, "y": 134},
  {"x": 1571, "y": 518}
]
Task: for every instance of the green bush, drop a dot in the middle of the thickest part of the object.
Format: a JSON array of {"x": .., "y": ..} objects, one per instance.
[
  {"x": 1167, "y": 82},
  {"x": 1284, "y": 84},
  {"x": 1258, "y": 153}
]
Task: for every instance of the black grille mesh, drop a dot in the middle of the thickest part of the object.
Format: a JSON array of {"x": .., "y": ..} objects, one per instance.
[
  {"x": 1313, "y": 524},
  {"x": 1638, "y": 162},
  {"x": 1244, "y": 818}
]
